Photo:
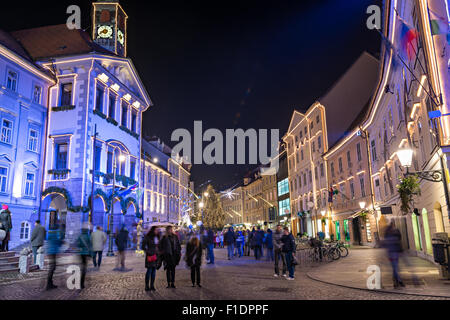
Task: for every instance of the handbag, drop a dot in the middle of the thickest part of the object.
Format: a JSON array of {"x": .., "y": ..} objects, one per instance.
[
  {"x": 152, "y": 258},
  {"x": 294, "y": 260},
  {"x": 2, "y": 234}
]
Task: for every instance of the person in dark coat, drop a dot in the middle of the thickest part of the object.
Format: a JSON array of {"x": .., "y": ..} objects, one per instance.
[
  {"x": 230, "y": 237},
  {"x": 210, "y": 243},
  {"x": 288, "y": 249},
  {"x": 85, "y": 252},
  {"x": 6, "y": 225},
  {"x": 269, "y": 245},
  {"x": 393, "y": 245},
  {"x": 37, "y": 238},
  {"x": 193, "y": 259},
  {"x": 54, "y": 242},
  {"x": 171, "y": 253},
  {"x": 121, "y": 243},
  {"x": 152, "y": 256},
  {"x": 258, "y": 242}
]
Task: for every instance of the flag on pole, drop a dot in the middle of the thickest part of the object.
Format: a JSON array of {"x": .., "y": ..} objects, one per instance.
[
  {"x": 439, "y": 25},
  {"x": 407, "y": 39},
  {"x": 128, "y": 190}
]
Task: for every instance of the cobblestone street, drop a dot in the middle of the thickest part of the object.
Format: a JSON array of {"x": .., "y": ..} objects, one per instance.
[{"x": 239, "y": 279}]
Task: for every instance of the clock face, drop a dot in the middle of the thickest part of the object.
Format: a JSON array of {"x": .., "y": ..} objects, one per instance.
[
  {"x": 104, "y": 32},
  {"x": 120, "y": 37}
]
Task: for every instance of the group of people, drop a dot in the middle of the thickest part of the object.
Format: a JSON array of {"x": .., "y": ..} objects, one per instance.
[{"x": 279, "y": 245}]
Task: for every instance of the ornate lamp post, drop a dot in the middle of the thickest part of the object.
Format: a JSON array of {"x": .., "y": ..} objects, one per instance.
[
  {"x": 405, "y": 157},
  {"x": 111, "y": 213}
]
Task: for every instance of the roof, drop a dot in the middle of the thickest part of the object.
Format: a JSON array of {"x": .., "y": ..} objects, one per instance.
[
  {"x": 56, "y": 41},
  {"x": 9, "y": 42},
  {"x": 349, "y": 97}
]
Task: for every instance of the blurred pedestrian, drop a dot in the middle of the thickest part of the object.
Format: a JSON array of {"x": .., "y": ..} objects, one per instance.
[
  {"x": 393, "y": 245},
  {"x": 258, "y": 241},
  {"x": 278, "y": 254},
  {"x": 210, "y": 244},
  {"x": 229, "y": 241},
  {"x": 288, "y": 249},
  {"x": 54, "y": 242},
  {"x": 37, "y": 238},
  {"x": 98, "y": 239},
  {"x": 139, "y": 230},
  {"x": 121, "y": 243},
  {"x": 193, "y": 259},
  {"x": 217, "y": 241},
  {"x": 171, "y": 253},
  {"x": 269, "y": 245},
  {"x": 85, "y": 251},
  {"x": 152, "y": 255},
  {"x": 240, "y": 243},
  {"x": 6, "y": 225},
  {"x": 221, "y": 239}
]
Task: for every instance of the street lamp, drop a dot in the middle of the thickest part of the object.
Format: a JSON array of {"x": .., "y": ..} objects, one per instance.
[
  {"x": 362, "y": 204},
  {"x": 405, "y": 157},
  {"x": 122, "y": 158},
  {"x": 323, "y": 212},
  {"x": 206, "y": 194}
]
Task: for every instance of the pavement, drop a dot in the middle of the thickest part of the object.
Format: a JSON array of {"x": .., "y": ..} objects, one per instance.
[
  {"x": 420, "y": 276},
  {"x": 238, "y": 279}
]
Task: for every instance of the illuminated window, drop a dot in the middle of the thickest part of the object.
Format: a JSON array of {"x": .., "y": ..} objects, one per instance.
[
  {"x": 25, "y": 230},
  {"x": 99, "y": 98},
  {"x": 11, "y": 82},
  {"x": 29, "y": 184},
  {"x": 7, "y": 127},
  {"x": 33, "y": 140},
  {"x": 283, "y": 187},
  {"x": 112, "y": 106},
  {"x": 37, "y": 93},
  {"x": 284, "y": 207},
  {"x": 65, "y": 94},
  {"x": 3, "y": 179}
]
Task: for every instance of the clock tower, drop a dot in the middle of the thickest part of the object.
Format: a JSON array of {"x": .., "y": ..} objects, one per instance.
[{"x": 109, "y": 26}]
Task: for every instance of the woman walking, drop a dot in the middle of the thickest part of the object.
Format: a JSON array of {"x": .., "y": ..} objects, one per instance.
[
  {"x": 150, "y": 247},
  {"x": 194, "y": 260}
]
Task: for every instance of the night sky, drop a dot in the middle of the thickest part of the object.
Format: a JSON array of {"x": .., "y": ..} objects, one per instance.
[{"x": 232, "y": 64}]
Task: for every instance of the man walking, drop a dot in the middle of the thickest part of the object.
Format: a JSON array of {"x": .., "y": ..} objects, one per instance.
[
  {"x": 121, "y": 243},
  {"x": 259, "y": 235},
  {"x": 53, "y": 247},
  {"x": 210, "y": 243},
  {"x": 278, "y": 254},
  {"x": 288, "y": 249},
  {"x": 37, "y": 238},
  {"x": 85, "y": 251},
  {"x": 229, "y": 240},
  {"x": 98, "y": 239}
]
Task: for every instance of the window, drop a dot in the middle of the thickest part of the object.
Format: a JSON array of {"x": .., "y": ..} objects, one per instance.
[
  {"x": 321, "y": 170},
  {"x": 29, "y": 184},
  {"x": 3, "y": 179},
  {"x": 301, "y": 134},
  {"x": 99, "y": 99},
  {"x": 133, "y": 121},
  {"x": 304, "y": 179},
  {"x": 32, "y": 140},
  {"x": 332, "y": 169},
  {"x": 284, "y": 207},
  {"x": 306, "y": 130},
  {"x": 37, "y": 93},
  {"x": 374, "y": 150},
  {"x": 66, "y": 94},
  {"x": 283, "y": 187},
  {"x": 317, "y": 118},
  {"x": 310, "y": 176},
  {"x": 352, "y": 190},
  {"x": 319, "y": 142},
  {"x": 132, "y": 169},
  {"x": 301, "y": 154},
  {"x": 316, "y": 176},
  {"x": 25, "y": 230},
  {"x": 314, "y": 146},
  {"x": 11, "y": 82},
  {"x": 340, "y": 165},
  {"x": 363, "y": 189},
  {"x": 61, "y": 155},
  {"x": 358, "y": 151},
  {"x": 349, "y": 159},
  {"x": 296, "y": 157},
  {"x": 98, "y": 157},
  {"x": 122, "y": 168},
  {"x": 109, "y": 162},
  {"x": 124, "y": 114},
  {"x": 112, "y": 106},
  {"x": 312, "y": 125},
  {"x": 7, "y": 126}
]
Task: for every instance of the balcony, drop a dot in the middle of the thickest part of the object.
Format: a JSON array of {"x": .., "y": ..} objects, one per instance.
[{"x": 59, "y": 174}]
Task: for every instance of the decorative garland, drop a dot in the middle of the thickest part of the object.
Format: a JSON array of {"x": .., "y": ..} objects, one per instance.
[
  {"x": 59, "y": 171},
  {"x": 112, "y": 121},
  {"x": 99, "y": 113},
  {"x": 134, "y": 134},
  {"x": 134, "y": 201},
  {"x": 68, "y": 198},
  {"x": 107, "y": 177},
  {"x": 63, "y": 108}
]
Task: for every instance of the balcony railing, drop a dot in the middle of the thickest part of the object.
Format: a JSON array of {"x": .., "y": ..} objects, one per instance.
[{"x": 59, "y": 174}]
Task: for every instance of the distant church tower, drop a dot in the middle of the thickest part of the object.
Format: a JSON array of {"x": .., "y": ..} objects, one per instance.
[{"x": 109, "y": 26}]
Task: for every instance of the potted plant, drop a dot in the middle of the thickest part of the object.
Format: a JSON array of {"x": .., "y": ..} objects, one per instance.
[{"x": 407, "y": 189}]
